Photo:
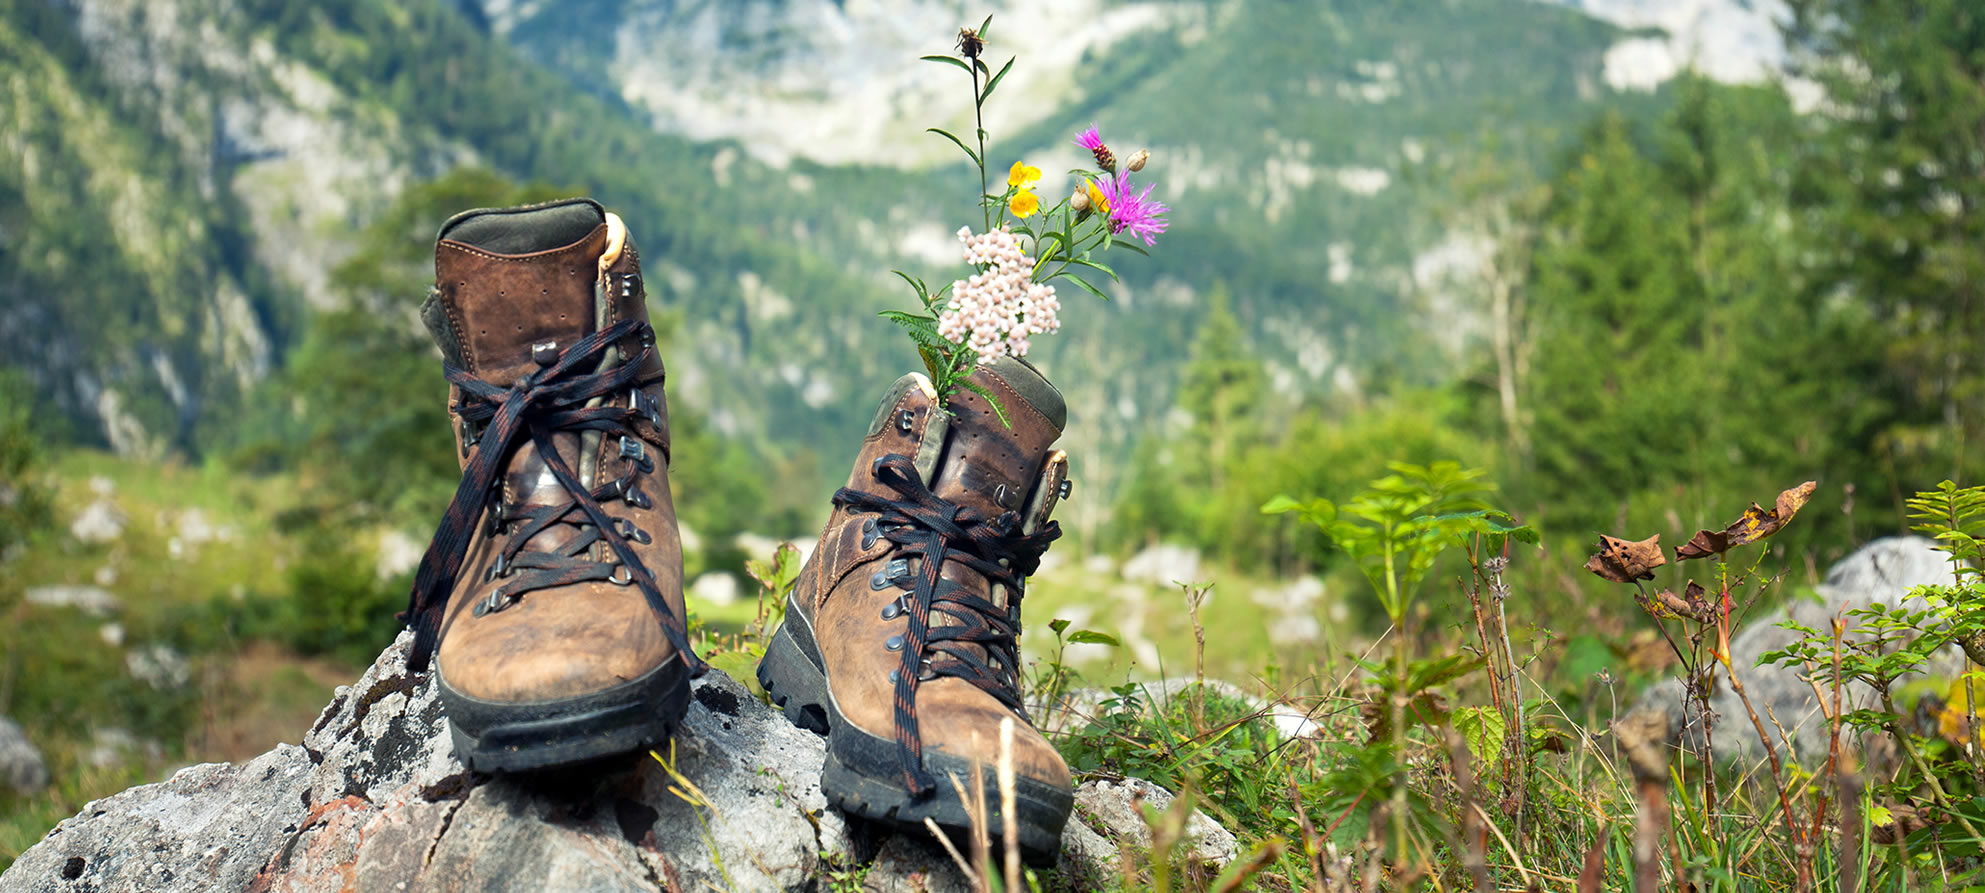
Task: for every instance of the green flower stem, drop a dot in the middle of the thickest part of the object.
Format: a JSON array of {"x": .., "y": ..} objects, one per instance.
[
  {"x": 979, "y": 126},
  {"x": 1102, "y": 231}
]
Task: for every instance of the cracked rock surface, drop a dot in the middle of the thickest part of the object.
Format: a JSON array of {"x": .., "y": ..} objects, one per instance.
[{"x": 376, "y": 800}]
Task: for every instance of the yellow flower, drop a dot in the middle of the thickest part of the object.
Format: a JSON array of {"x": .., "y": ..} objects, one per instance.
[
  {"x": 1097, "y": 201},
  {"x": 1022, "y": 176},
  {"x": 1024, "y": 204}
]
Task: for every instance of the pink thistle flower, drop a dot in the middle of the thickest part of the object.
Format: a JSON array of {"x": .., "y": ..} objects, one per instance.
[
  {"x": 1134, "y": 211},
  {"x": 1093, "y": 141}
]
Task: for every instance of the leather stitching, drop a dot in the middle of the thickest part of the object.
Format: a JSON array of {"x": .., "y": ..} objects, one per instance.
[{"x": 1017, "y": 399}]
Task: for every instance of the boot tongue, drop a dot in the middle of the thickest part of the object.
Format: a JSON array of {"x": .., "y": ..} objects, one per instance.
[
  {"x": 511, "y": 280},
  {"x": 516, "y": 278},
  {"x": 988, "y": 465}
]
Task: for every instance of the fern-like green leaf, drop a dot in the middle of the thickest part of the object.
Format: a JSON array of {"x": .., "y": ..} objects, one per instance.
[{"x": 992, "y": 401}]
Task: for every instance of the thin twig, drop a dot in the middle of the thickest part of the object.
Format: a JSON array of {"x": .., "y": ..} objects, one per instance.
[
  {"x": 1008, "y": 805},
  {"x": 957, "y": 857}
]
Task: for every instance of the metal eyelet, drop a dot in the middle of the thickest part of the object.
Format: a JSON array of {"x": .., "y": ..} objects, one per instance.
[
  {"x": 879, "y": 581},
  {"x": 618, "y": 579},
  {"x": 638, "y": 499},
  {"x": 895, "y": 676},
  {"x": 892, "y": 610},
  {"x": 893, "y": 643},
  {"x": 904, "y": 420},
  {"x": 632, "y": 449},
  {"x": 496, "y": 602},
  {"x": 898, "y": 568},
  {"x": 1067, "y": 487},
  {"x": 631, "y": 533},
  {"x": 870, "y": 533},
  {"x": 501, "y": 567}
]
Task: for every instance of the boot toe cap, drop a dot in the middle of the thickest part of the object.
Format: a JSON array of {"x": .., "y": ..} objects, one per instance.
[{"x": 540, "y": 650}]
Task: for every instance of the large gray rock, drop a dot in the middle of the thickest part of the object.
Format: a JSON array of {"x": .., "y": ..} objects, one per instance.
[
  {"x": 21, "y": 766},
  {"x": 208, "y": 827},
  {"x": 1882, "y": 572},
  {"x": 375, "y": 799}
]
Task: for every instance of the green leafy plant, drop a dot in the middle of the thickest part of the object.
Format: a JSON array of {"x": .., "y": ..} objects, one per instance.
[
  {"x": 1881, "y": 647},
  {"x": 1395, "y": 532}
]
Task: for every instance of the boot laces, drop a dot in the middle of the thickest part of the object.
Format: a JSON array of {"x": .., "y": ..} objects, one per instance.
[
  {"x": 552, "y": 398},
  {"x": 927, "y": 527}
]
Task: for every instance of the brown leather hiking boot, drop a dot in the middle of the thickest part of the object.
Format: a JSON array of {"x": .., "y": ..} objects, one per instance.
[
  {"x": 900, "y": 637},
  {"x": 551, "y": 595}
]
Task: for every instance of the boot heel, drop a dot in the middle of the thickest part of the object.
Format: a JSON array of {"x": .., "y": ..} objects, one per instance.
[{"x": 794, "y": 682}]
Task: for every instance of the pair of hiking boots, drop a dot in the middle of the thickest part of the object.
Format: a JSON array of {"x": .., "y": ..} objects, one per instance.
[{"x": 550, "y": 600}]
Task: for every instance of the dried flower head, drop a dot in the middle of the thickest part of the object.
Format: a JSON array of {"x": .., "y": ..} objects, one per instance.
[
  {"x": 1078, "y": 201},
  {"x": 970, "y": 45},
  {"x": 1137, "y": 160}
]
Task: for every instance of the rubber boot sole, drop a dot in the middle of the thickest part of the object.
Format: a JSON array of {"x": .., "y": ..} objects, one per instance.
[
  {"x": 863, "y": 775},
  {"x": 494, "y": 736}
]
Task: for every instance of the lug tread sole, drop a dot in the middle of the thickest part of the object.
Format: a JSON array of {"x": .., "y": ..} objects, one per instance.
[
  {"x": 797, "y": 685},
  {"x": 535, "y": 736}
]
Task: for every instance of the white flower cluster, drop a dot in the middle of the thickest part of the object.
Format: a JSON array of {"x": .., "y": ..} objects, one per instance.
[{"x": 995, "y": 310}]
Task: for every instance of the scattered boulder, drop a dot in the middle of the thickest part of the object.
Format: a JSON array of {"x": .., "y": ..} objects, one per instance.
[
  {"x": 92, "y": 600},
  {"x": 761, "y": 547},
  {"x": 99, "y": 522},
  {"x": 1163, "y": 565},
  {"x": 159, "y": 666},
  {"x": 714, "y": 588},
  {"x": 376, "y": 799},
  {"x": 21, "y": 766},
  {"x": 112, "y": 746},
  {"x": 395, "y": 553},
  {"x": 1882, "y": 572}
]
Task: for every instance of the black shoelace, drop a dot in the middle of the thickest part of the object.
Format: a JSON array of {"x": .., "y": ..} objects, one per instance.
[
  {"x": 550, "y": 399},
  {"x": 934, "y": 530}
]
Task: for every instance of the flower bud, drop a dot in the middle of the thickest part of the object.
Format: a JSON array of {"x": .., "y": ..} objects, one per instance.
[
  {"x": 1137, "y": 160},
  {"x": 1079, "y": 201},
  {"x": 970, "y": 44},
  {"x": 1105, "y": 159}
]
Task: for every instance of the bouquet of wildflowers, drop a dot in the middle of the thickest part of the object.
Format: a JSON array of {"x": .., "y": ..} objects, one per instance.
[{"x": 1021, "y": 249}]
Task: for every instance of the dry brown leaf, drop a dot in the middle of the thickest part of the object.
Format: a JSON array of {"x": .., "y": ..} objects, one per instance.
[
  {"x": 1756, "y": 524},
  {"x": 1692, "y": 604},
  {"x": 1624, "y": 561}
]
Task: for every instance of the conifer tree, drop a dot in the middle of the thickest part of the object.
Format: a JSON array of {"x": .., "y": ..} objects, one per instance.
[{"x": 1896, "y": 184}]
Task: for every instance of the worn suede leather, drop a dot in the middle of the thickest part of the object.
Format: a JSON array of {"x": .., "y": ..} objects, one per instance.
[
  {"x": 577, "y": 639},
  {"x": 980, "y": 463}
]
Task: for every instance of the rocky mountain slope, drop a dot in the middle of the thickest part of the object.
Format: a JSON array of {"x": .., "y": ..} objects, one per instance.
[{"x": 186, "y": 173}]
